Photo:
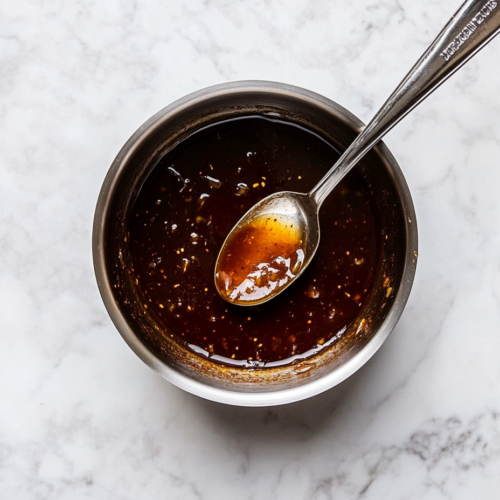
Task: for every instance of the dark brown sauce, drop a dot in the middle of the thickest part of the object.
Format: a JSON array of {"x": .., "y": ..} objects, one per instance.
[{"x": 192, "y": 199}]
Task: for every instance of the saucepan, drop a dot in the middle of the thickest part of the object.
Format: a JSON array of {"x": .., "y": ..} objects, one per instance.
[{"x": 151, "y": 341}]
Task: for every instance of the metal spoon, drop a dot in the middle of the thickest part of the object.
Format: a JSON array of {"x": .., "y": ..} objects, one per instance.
[{"x": 468, "y": 31}]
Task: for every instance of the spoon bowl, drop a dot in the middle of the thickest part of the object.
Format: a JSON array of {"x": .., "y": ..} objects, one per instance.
[{"x": 285, "y": 209}]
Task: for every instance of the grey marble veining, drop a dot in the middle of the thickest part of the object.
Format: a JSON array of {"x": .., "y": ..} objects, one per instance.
[{"x": 82, "y": 417}]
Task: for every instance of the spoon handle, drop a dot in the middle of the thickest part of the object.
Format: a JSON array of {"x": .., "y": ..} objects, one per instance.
[{"x": 468, "y": 31}]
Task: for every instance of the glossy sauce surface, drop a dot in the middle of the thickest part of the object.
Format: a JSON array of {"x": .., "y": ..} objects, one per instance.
[
  {"x": 259, "y": 259},
  {"x": 192, "y": 199}
]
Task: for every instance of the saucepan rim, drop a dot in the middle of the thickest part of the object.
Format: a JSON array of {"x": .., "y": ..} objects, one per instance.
[{"x": 183, "y": 381}]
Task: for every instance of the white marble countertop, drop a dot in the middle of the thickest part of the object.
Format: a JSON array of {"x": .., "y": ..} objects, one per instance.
[{"x": 82, "y": 417}]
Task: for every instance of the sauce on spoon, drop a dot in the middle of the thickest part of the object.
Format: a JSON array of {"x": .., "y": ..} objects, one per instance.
[{"x": 259, "y": 259}]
